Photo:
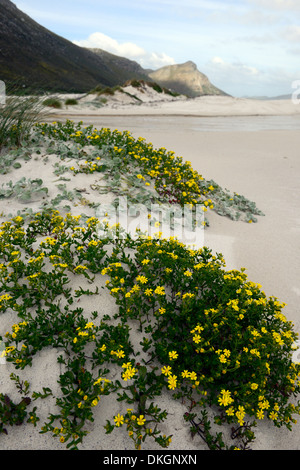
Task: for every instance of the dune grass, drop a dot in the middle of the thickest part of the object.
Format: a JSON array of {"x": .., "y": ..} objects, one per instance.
[{"x": 17, "y": 117}]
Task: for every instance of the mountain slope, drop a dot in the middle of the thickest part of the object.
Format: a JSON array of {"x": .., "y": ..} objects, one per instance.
[
  {"x": 34, "y": 56},
  {"x": 185, "y": 79},
  {"x": 130, "y": 68}
]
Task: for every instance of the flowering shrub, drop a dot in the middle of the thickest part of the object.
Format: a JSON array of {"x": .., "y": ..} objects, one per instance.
[
  {"x": 184, "y": 326},
  {"x": 118, "y": 154}
]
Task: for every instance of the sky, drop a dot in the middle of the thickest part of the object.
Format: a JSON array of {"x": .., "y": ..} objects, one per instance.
[{"x": 245, "y": 47}]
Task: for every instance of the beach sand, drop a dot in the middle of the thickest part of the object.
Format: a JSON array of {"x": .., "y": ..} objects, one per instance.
[{"x": 262, "y": 165}]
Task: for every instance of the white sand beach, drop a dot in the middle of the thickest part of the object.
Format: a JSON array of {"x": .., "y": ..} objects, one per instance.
[
  {"x": 258, "y": 161},
  {"x": 152, "y": 103}
]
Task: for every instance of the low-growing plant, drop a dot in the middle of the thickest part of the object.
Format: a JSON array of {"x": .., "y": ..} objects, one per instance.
[
  {"x": 185, "y": 327},
  {"x": 14, "y": 414},
  {"x": 175, "y": 181},
  {"x": 107, "y": 91},
  {"x": 52, "y": 103},
  {"x": 17, "y": 116},
  {"x": 71, "y": 102},
  {"x": 24, "y": 189}
]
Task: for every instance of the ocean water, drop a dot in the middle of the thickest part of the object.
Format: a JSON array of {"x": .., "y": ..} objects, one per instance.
[{"x": 205, "y": 124}]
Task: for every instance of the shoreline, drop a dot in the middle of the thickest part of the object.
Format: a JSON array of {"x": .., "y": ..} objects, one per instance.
[
  {"x": 118, "y": 113},
  {"x": 205, "y": 106}
]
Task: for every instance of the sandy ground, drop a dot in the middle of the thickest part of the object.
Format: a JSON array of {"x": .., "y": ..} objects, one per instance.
[
  {"x": 264, "y": 166},
  {"x": 155, "y": 104}
]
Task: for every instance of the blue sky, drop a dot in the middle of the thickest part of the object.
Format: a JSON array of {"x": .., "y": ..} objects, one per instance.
[{"x": 245, "y": 47}]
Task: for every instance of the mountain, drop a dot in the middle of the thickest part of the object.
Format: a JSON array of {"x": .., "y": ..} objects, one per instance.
[
  {"x": 35, "y": 57},
  {"x": 116, "y": 63},
  {"x": 185, "y": 79}
]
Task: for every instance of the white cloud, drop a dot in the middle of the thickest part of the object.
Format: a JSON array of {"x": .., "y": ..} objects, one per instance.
[
  {"x": 155, "y": 61},
  {"x": 129, "y": 50},
  {"x": 240, "y": 79},
  {"x": 235, "y": 67},
  {"x": 278, "y": 4},
  {"x": 292, "y": 33},
  {"x": 102, "y": 41},
  {"x": 235, "y": 78}
]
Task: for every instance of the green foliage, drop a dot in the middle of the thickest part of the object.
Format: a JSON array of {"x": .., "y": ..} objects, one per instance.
[
  {"x": 71, "y": 102},
  {"x": 17, "y": 117},
  {"x": 24, "y": 189},
  {"x": 135, "y": 83},
  {"x": 15, "y": 413},
  {"x": 120, "y": 157},
  {"x": 184, "y": 326},
  {"x": 52, "y": 103},
  {"x": 156, "y": 87}
]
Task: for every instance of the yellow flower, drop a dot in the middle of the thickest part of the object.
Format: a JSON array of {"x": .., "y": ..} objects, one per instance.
[
  {"x": 230, "y": 411},
  {"x": 119, "y": 353},
  {"x": 185, "y": 374},
  {"x": 160, "y": 290},
  {"x": 166, "y": 370},
  {"x": 197, "y": 339},
  {"x": 187, "y": 273},
  {"x": 260, "y": 414},
  {"x": 173, "y": 355},
  {"x": 225, "y": 398},
  {"x": 80, "y": 267},
  {"x": 273, "y": 415},
  {"x": 119, "y": 420},
  {"x": 172, "y": 380},
  {"x": 240, "y": 415},
  {"x": 223, "y": 358},
  {"x": 141, "y": 420},
  {"x": 187, "y": 295},
  {"x": 142, "y": 279},
  {"x": 129, "y": 373},
  {"x": 193, "y": 376}
]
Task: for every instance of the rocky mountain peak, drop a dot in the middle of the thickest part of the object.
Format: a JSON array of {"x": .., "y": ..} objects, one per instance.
[{"x": 185, "y": 79}]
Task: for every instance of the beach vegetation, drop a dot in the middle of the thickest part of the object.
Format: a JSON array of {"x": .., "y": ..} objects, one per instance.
[
  {"x": 17, "y": 116},
  {"x": 71, "y": 102},
  {"x": 24, "y": 190},
  {"x": 119, "y": 156},
  {"x": 53, "y": 103},
  {"x": 182, "y": 327}
]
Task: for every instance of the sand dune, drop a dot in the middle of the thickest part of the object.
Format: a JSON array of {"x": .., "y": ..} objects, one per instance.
[
  {"x": 263, "y": 165},
  {"x": 153, "y": 103}
]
